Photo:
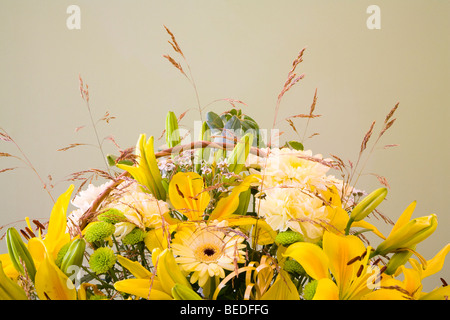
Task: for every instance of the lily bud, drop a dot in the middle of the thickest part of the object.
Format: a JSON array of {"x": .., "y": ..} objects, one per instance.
[
  {"x": 172, "y": 133},
  {"x": 397, "y": 260},
  {"x": 74, "y": 255},
  {"x": 18, "y": 252},
  {"x": 368, "y": 204},
  {"x": 238, "y": 156},
  {"x": 181, "y": 292},
  {"x": 408, "y": 235}
]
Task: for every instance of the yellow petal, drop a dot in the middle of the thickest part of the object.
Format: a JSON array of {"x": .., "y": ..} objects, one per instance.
[
  {"x": 51, "y": 283},
  {"x": 156, "y": 238},
  {"x": 9, "y": 290},
  {"x": 186, "y": 193},
  {"x": 143, "y": 288},
  {"x": 435, "y": 264},
  {"x": 366, "y": 225},
  {"x": 340, "y": 250},
  {"x": 169, "y": 272},
  {"x": 326, "y": 290},
  {"x": 386, "y": 294},
  {"x": 441, "y": 293},
  {"x": 56, "y": 235},
  {"x": 311, "y": 257},
  {"x": 262, "y": 233},
  {"x": 405, "y": 217},
  {"x": 8, "y": 267},
  {"x": 36, "y": 247},
  {"x": 227, "y": 205},
  {"x": 282, "y": 289},
  {"x": 134, "y": 267}
]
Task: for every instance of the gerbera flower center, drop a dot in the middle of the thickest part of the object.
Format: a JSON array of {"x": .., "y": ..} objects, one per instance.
[{"x": 208, "y": 252}]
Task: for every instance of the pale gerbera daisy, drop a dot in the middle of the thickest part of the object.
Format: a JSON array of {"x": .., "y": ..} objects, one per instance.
[{"x": 208, "y": 250}]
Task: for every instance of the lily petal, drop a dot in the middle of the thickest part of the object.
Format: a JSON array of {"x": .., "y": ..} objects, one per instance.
[
  {"x": 51, "y": 283},
  {"x": 340, "y": 250},
  {"x": 326, "y": 290},
  {"x": 135, "y": 268},
  {"x": 311, "y": 257},
  {"x": 186, "y": 193},
  {"x": 143, "y": 288},
  {"x": 435, "y": 264}
]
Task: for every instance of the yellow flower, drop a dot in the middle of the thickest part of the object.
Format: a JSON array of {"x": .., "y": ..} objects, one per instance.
[
  {"x": 206, "y": 250},
  {"x": 410, "y": 288},
  {"x": 187, "y": 195},
  {"x": 151, "y": 286},
  {"x": 407, "y": 233},
  {"x": 343, "y": 257}
]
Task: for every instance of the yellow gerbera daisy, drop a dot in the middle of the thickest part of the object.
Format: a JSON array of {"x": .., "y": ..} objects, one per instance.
[{"x": 206, "y": 250}]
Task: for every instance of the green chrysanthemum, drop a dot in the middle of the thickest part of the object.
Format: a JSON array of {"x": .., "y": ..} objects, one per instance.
[
  {"x": 102, "y": 260},
  {"x": 287, "y": 238},
  {"x": 135, "y": 236},
  {"x": 98, "y": 231},
  {"x": 112, "y": 216},
  {"x": 310, "y": 290},
  {"x": 294, "y": 267}
]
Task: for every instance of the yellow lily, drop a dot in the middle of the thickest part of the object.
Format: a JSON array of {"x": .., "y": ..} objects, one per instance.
[
  {"x": 51, "y": 283},
  {"x": 345, "y": 257},
  {"x": 8, "y": 267},
  {"x": 10, "y": 290},
  {"x": 282, "y": 289},
  {"x": 152, "y": 286},
  {"x": 57, "y": 235},
  {"x": 339, "y": 218},
  {"x": 188, "y": 196},
  {"x": 146, "y": 172},
  {"x": 407, "y": 233},
  {"x": 411, "y": 287}
]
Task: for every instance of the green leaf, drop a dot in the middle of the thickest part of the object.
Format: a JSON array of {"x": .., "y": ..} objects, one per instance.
[
  {"x": 296, "y": 145},
  {"x": 214, "y": 121}
]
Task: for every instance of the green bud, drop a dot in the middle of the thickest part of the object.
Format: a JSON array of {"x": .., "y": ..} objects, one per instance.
[
  {"x": 397, "y": 260},
  {"x": 182, "y": 292},
  {"x": 74, "y": 255},
  {"x": 238, "y": 157},
  {"x": 61, "y": 253},
  {"x": 18, "y": 252},
  {"x": 172, "y": 132},
  {"x": 368, "y": 204}
]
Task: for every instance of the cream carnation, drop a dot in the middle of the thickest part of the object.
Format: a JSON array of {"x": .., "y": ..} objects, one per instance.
[
  {"x": 290, "y": 207},
  {"x": 140, "y": 208},
  {"x": 295, "y": 168}
]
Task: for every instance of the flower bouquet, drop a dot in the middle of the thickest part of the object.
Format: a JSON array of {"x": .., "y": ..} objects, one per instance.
[{"x": 233, "y": 214}]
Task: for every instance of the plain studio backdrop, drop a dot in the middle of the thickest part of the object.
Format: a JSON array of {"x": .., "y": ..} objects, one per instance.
[{"x": 360, "y": 64}]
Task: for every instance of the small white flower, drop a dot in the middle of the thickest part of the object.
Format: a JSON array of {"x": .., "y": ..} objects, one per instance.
[{"x": 83, "y": 201}]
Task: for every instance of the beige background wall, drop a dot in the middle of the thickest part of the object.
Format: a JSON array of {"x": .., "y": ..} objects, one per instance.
[{"x": 237, "y": 49}]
